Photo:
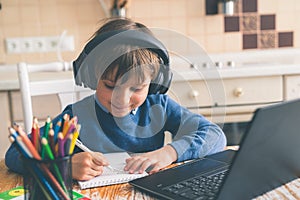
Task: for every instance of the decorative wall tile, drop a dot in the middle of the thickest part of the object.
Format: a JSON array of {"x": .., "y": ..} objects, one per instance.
[
  {"x": 249, "y": 41},
  {"x": 285, "y": 39},
  {"x": 267, "y": 39},
  {"x": 232, "y": 24},
  {"x": 267, "y": 22},
  {"x": 249, "y": 6},
  {"x": 249, "y": 22},
  {"x": 211, "y": 7}
]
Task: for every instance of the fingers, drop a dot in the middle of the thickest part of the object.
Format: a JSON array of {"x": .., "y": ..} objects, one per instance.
[
  {"x": 99, "y": 159},
  {"x": 86, "y": 166},
  {"x": 84, "y": 174},
  {"x": 139, "y": 164},
  {"x": 152, "y": 161}
]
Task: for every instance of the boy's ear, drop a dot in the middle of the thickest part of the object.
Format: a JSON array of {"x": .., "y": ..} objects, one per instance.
[
  {"x": 84, "y": 75},
  {"x": 162, "y": 81}
]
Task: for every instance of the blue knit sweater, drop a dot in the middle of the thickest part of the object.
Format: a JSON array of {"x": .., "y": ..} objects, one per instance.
[{"x": 140, "y": 131}]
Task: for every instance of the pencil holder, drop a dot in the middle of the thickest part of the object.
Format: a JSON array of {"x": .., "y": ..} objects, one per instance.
[{"x": 48, "y": 179}]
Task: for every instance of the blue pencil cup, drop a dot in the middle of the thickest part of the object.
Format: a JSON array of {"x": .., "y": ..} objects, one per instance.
[{"x": 48, "y": 179}]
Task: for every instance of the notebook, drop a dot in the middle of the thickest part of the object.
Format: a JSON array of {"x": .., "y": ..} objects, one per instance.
[
  {"x": 267, "y": 158},
  {"x": 114, "y": 175}
]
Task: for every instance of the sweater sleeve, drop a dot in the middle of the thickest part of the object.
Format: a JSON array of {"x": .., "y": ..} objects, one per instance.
[
  {"x": 13, "y": 159},
  {"x": 193, "y": 135}
]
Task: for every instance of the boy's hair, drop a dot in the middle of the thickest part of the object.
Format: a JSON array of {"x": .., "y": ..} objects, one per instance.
[
  {"x": 123, "y": 47},
  {"x": 137, "y": 61}
]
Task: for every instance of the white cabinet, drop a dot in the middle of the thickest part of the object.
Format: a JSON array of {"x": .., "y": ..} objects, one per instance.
[
  {"x": 291, "y": 87},
  {"x": 233, "y": 91},
  {"x": 230, "y": 99},
  {"x": 5, "y": 123}
]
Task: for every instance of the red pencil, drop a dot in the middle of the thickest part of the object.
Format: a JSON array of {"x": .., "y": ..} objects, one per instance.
[{"x": 35, "y": 134}]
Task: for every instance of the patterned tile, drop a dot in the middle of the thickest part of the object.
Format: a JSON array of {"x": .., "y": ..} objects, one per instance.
[
  {"x": 249, "y": 22},
  {"x": 267, "y": 39}
]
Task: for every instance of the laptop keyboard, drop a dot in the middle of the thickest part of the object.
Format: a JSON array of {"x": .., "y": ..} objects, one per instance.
[{"x": 199, "y": 187}]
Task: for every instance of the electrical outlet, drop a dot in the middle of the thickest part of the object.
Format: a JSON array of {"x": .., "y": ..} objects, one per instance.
[
  {"x": 13, "y": 45},
  {"x": 39, "y": 44},
  {"x": 26, "y": 45}
]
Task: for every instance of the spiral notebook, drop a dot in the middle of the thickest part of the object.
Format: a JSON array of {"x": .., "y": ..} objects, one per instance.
[{"x": 114, "y": 175}]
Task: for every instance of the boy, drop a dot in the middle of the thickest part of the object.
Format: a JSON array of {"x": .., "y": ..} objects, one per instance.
[{"x": 129, "y": 69}]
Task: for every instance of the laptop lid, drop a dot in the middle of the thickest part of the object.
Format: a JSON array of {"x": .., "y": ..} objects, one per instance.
[
  {"x": 269, "y": 153},
  {"x": 268, "y": 157}
]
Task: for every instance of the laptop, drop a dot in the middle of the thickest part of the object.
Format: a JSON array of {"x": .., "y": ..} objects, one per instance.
[{"x": 267, "y": 158}]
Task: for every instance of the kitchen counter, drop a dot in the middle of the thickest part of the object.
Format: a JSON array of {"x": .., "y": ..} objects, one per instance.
[
  {"x": 239, "y": 64},
  {"x": 9, "y": 78}
]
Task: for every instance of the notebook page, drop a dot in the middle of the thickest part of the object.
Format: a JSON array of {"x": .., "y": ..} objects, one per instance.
[{"x": 109, "y": 176}]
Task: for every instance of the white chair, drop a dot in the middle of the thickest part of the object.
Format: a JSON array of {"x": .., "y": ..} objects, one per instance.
[{"x": 36, "y": 85}]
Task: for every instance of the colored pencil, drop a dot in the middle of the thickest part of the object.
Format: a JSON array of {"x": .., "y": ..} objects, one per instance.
[
  {"x": 34, "y": 135},
  {"x": 57, "y": 129},
  {"x": 60, "y": 142},
  {"x": 66, "y": 124},
  {"x": 51, "y": 140},
  {"x": 50, "y": 155},
  {"x": 47, "y": 127},
  {"x": 75, "y": 136},
  {"x": 67, "y": 143}
]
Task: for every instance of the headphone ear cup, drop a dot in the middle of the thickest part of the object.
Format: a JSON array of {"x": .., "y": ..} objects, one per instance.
[{"x": 162, "y": 81}]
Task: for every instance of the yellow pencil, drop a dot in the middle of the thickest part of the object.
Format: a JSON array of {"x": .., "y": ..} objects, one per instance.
[
  {"x": 66, "y": 124},
  {"x": 75, "y": 136}
]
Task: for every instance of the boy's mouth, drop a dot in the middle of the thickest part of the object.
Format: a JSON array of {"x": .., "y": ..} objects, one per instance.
[{"x": 119, "y": 108}]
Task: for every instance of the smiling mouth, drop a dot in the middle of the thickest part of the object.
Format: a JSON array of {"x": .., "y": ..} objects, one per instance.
[{"x": 116, "y": 108}]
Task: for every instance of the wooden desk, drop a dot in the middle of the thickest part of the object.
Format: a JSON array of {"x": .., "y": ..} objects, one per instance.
[{"x": 9, "y": 180}]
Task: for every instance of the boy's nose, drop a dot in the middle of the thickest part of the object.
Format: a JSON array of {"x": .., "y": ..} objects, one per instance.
[{"x": 121, "y": 97}]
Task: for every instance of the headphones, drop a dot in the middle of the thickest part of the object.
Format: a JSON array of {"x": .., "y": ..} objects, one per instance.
[{"x": 100, "y": 52}]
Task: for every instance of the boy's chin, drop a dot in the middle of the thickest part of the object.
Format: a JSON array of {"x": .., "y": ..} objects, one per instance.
[{"x": 120, "y": 114}]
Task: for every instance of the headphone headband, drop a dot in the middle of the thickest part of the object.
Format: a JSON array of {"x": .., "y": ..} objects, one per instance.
[{"x": 101, "y": 52}]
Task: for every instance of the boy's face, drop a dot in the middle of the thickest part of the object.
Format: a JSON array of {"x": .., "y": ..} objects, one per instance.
[{"x": 120, "y": 98}]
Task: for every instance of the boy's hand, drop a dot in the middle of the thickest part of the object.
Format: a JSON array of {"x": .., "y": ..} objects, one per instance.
[
  {"x": 87, "y": 165},
  {"x": 155, "y": 160}
]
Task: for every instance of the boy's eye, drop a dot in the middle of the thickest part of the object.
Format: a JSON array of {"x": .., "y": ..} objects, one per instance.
[
  {"x": 136, "y": 89},
  {"x": 109, "y": 86}
]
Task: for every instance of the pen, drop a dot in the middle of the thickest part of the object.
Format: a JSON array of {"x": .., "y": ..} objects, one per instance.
[{"x": 86, "y": 149}]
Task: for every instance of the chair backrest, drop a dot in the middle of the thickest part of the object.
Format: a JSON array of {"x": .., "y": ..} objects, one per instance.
[{"x": 64, "y": 87}]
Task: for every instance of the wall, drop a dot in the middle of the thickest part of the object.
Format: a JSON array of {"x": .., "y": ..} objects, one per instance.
[{"x": 80, "y": 18}]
